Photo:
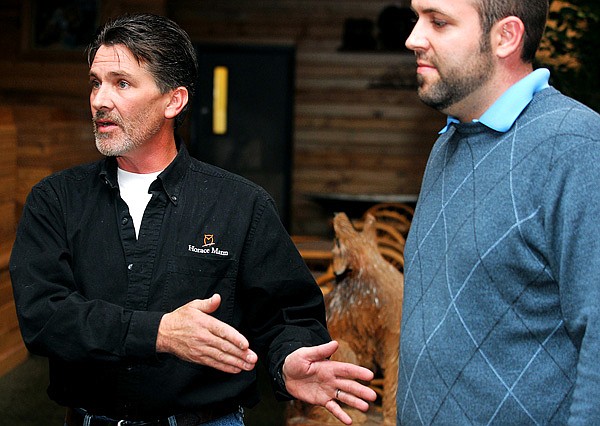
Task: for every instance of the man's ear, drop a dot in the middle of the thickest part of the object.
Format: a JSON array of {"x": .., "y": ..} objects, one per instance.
[
  {"x": 178, "y": 100},
  {"x": 508, "y": 37}
]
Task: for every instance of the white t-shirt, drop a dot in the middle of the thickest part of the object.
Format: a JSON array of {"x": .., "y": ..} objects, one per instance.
[{"x": 134, "y": 191}]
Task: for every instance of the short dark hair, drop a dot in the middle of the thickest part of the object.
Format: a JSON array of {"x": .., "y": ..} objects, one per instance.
[
  {"x": 158, "y": 43},
  {"x": 533, "y": 14}
]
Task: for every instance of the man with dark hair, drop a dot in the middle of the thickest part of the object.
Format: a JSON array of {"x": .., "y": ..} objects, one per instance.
[
  {"x": 160, "y": 44},
  {"x": 154, "y": 282},
  {"x": 501, "y": 321}
]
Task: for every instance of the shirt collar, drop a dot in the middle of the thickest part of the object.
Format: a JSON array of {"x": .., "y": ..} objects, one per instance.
[
  {"x": 169, "y": 180},
  {"x": 505, "y": 111}
]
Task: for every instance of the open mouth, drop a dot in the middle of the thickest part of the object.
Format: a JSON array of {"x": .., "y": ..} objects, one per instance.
[{"x": 104, "y": 125}]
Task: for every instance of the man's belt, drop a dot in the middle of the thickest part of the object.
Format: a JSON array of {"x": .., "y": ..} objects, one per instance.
[{"x": 77, "y": 417}]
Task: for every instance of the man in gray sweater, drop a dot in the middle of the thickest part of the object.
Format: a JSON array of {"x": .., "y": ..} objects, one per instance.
[{"x": 501, "y": 315}]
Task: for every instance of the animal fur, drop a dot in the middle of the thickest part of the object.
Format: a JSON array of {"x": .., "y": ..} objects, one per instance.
[{"x": 363, "y": 312}]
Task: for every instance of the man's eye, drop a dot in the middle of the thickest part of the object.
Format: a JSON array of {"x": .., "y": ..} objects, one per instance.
[
  {"x": 439, "y": 23},
  {"x": 95, "y": 84},
  {"x": 123, "y": 84}
]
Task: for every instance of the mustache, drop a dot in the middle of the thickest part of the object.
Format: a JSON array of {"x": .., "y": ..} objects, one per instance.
[
  {"x": 106, "y": 116},
  {"x": 423, "y": 57}
]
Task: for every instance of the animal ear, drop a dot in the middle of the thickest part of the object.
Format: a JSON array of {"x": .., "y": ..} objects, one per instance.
[
  {"x": 344, "y": 232},
  {"x": 342, "y": 225},
  {"x": 369, "y": 227}
]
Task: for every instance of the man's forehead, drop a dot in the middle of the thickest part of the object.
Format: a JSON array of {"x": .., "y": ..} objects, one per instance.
[
  {"x": 115, "y": 56},
  {"x": 443, "y": 5}
]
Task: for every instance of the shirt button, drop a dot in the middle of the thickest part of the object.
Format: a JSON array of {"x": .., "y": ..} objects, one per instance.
[
  {"x": 124, "y": 221},
  {"x": 130, "y": 266},
  {"x": 173, "y": 198}
]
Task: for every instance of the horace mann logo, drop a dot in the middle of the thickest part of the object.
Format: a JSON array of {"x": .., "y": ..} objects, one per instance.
[{"x": 208, "y": 247}]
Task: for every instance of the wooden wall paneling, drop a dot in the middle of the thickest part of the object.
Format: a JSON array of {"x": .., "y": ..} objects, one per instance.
[
  {"x": 12, "y": 349},
  {"x": 7, "y": 223},
  {"x": 8, "y": 320},
  {"x": 351, "y": 109},
  {"x": 6, "y": 293},
  {"x": 50, "y": 139},
  {"x": 8, "y": 167},
  {"x": 359, "y": 125},
  {"x": 44, "y": 78},
  {"x": 44, "y": 127},
  {"x": 8, "y": 172}
]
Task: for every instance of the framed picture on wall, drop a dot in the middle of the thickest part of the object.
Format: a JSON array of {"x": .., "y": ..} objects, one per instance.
[{"x": 59, "y": 28}]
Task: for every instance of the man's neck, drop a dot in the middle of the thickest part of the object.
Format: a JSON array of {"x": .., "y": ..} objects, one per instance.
[
  {"x": 149, "y": 158},
  {"x": 476, "y": 104}
]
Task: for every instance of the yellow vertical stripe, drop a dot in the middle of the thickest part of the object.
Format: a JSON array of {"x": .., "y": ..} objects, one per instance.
[{"x": 220, "y": 88}]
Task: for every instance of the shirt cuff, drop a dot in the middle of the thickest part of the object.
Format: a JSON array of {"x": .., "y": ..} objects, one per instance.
[{"x": 141, "y": 338}]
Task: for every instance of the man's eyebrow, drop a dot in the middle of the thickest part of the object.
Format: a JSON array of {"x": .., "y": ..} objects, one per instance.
[
  {"x": 119, "y": 73},
  {"x": 429, "y": 11}
]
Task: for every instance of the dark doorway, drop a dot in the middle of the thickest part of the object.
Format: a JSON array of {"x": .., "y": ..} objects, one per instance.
[{"x": 252, "y": 101}]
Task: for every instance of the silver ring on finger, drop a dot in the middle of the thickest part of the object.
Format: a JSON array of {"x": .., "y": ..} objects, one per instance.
[{"x": 337, "y": 394}]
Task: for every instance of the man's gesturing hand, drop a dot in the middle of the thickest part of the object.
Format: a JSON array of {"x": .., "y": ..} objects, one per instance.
[
  {"x": 309, "y": 376},
  {"x": 192, "y": 334}
]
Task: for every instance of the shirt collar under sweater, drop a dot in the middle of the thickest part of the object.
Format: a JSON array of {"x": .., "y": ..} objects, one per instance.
[{"x": 505, "y": 111}]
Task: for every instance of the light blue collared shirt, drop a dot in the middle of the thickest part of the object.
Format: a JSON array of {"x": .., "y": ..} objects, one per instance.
[{"x": 504, "y": 112}]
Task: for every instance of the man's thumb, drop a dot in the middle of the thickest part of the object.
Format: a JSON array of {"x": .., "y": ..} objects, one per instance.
[{"x": 208, "y": 306}]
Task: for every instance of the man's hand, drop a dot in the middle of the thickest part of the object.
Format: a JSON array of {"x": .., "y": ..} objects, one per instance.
[
  {"x": 309, "y": 376},
  {"x": 192, "y": 334}
]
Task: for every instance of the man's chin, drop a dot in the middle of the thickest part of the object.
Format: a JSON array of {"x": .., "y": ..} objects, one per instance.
[
  {"x": 425, "y": 96},
  {"x": 107, "y": 150},
  {"x": 440, "y": 104}
]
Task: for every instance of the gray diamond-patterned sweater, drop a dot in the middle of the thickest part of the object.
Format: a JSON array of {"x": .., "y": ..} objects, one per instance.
[{"x": 501, "y": 315}]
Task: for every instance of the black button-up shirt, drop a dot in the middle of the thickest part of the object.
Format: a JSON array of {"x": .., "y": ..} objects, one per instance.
[{"x": 90, "y": 296}]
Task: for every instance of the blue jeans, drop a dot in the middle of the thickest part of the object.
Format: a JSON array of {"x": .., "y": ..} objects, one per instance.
[{"x": 233, "y": 419}]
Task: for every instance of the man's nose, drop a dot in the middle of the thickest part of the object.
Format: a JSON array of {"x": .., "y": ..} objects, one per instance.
[
  {"x": 100, "y": 98},
  {"x": 416, "y": 40}
]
